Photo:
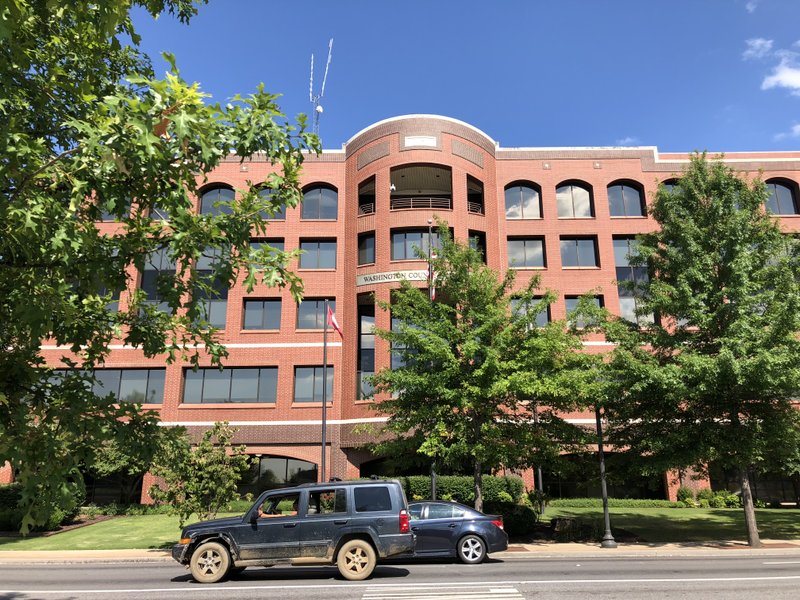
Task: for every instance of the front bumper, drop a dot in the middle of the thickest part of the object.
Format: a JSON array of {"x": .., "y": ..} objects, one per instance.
[{"x": 179, "y": 553}]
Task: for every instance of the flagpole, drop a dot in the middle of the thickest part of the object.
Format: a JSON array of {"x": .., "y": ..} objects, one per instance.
[
  {"x": 430, "y": 297},
  {"x": 324, "y": 390}
]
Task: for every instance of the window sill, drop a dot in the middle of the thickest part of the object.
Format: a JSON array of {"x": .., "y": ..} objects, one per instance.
[
  {"x": 576, "y": 218},
  {"x": 218, "y": 405},
  {"x": 311, "y": 404},
  {"x": 527, "y": 218},
  {"x": 369, "y": 264},
  {"x": 627, "y": 216},
  {"x": 529, "y": 268},
  {"x": 321, "y": 220},
  {"x": 326, "y": 269},
  {"x": 595, "y": 268},
  {"x": 254, "y": 331}
]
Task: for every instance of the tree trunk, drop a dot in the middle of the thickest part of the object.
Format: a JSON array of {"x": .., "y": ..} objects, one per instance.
[
  {"x": 477, "y": 476},
  {"x": 749, "y": 510}
]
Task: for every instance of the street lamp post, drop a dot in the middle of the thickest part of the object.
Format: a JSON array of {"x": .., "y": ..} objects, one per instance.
[{"x": 608, "y": 538}]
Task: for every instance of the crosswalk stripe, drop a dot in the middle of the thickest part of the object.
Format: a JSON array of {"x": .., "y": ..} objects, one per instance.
[{"x": 420, "y": 593}]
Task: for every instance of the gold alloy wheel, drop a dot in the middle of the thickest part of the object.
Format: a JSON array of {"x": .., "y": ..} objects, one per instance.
[
  {"x": 356, "y": 560},
  {"x": 210, "y": 562}
]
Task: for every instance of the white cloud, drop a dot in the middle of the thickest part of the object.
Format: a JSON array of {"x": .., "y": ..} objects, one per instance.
[
  {"x": 751, "y": 5},
  {"x": 627, "y": 141},
  {"x": 794, "y": 132},
  {"x": 757, "y": 48},
  {"x": 786, "y": 75}
]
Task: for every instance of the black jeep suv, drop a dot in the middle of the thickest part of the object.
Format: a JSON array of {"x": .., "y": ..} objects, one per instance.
[{"x": 349, "y": 523}]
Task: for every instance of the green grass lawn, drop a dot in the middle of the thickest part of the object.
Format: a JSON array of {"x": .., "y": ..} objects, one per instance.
[
  {"x": 145, "y": 532},
  {"x": 648, "y": 524},
  {"x": 689, "y": 524}
]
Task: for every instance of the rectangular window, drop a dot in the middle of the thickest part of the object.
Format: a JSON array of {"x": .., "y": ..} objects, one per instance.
[
  {"x": 579, "y": 252},
  {"x": 262, "y": 314},
  {"x": 629, "y": 280},
  {"x": 518, "y": 308},
  {"x": 212, "y": 296},
  {"x": 141, "y": 386},
  {"x": 308, "y": 384},
  {"x": 327, "y": 502},
  {"x": 572, "y": 304},
  {"x": 366, "y": 248},
  {"x": 413, "y": 244},
  {"x": 318, "y": 254},
  {"x": 311, "y": 313},
  {"x": 526, "y": 252},
  {"x": 366, "y": 345},
  {"x": 372, "y": 499},
  {"x": 237, "y": 385},
  {"x": 157, "y": 274}
]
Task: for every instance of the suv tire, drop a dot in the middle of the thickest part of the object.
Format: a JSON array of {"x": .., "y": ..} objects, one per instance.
[
  {"x": 210, "y": 562},
  {"x": 471, "y": 549},
  {"x": 356, "y": 560}
]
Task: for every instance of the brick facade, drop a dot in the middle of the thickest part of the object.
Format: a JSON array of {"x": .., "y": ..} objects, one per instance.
[{"x": 293, "y": 430}]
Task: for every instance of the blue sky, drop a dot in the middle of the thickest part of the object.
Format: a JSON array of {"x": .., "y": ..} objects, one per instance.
[{"x": 682, "y": 75}]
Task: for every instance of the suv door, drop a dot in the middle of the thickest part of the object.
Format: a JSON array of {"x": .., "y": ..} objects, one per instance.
[
  {"x": 325, "y": 516},
  {"x": 274, "y": 533},
  {"x": 440, "y": 528}
]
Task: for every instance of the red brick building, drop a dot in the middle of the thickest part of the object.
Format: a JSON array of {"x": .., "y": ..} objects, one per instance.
[{"x": 564, "y": 213}]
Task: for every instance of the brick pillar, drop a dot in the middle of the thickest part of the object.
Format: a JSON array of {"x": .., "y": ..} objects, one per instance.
[
  {"x": 6, "y": 474},
  {"x": 687, "y": 478},
  {"x": 147, "y": 481}
]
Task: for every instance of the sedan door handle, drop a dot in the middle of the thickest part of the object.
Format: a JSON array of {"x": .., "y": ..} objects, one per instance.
[
  {"x": 340, "y": 521},
  {"x": 452, "y": 526},
  {"x": 289, "y": 525}
]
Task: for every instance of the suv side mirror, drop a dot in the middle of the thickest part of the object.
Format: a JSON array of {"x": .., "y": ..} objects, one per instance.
[{"x": 254, "y": 516}]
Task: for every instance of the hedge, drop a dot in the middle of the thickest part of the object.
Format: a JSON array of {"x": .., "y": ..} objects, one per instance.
[
  {"x": 613, "y": 502},
  {"x": 461, "y": 488}
]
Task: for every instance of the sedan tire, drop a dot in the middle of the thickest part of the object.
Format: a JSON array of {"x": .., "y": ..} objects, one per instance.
[
  {"x": 210, "y": 562},
  {"x": 471, "y": 549}
]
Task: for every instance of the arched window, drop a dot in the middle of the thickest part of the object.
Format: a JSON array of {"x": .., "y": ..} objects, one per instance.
[
  {"x": 275, "y": 213},
  {"x": 216, "y": 200},
  {"x": 320, "y": 202},
  {"x": 669, "y": 184},
  {"x": 523, "y": 201},
  {"x": 782, "y": 197},
  {"x": 625, "y": 199},
  {"x": 574, "y": 199}
]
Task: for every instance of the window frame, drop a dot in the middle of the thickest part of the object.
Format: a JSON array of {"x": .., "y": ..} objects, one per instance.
[
  {"x": 315, "y": 208},
  {"x": 308, "y": 252},
  {"x": 631, "y": 185},
  {"x": 536, "y": 188},
  {"x": 210, "y": 209},
  {"x": 270, "y": 378},
  {"x": 525, "y": 240},
  {"x": 577, "y": 239},
  {"x": 316, "y": 375},
  {"x": 264, "y": 313},
  {"x": 586, "y": 187}
]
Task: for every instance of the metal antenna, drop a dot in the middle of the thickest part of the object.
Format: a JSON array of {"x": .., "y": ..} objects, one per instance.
[{"x": 315, "y": 99}]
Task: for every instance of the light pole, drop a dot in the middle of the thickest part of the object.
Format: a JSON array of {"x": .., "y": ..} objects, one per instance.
[
  {"x": 430, "y": 297},
  {"x": 608, "y": 538}
]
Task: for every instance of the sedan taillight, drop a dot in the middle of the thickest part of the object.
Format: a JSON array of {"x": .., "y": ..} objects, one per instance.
[
  {"x": 498, "y": 523},
  {"x": 404, "y": 526}
]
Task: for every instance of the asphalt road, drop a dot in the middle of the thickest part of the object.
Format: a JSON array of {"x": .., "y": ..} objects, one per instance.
[{"x": 776, "y": 577}]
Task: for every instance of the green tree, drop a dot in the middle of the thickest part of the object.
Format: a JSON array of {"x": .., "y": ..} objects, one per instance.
[
  {"x": 129, "y": 454},
  {"x": 85, "y": 130},
  {"x": 713, "y": 380},
  {"x": 470, "y": 371},
  {"x": 202, "y": 479}
]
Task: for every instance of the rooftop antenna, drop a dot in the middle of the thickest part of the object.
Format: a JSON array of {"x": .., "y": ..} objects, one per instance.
[{"x": 315, "y": 99}]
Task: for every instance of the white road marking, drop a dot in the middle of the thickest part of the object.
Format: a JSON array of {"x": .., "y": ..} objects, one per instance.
[
  {"x": 412, "y": 592},
  {"x": 782, "y": 562},
  {"x": 196, "y": 589}
]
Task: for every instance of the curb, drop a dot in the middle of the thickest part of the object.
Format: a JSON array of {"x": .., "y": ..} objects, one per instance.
[{"x": 543, "y": 550}]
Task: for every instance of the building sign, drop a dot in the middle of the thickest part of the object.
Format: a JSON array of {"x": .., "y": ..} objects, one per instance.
[{"x": 391, "y": 277}]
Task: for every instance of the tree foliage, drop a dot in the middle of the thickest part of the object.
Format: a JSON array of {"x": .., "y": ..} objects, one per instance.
[
  {"x": 202, "y": 479},
  {"x": 85, "y": 130},
  {"x": 714, "y": 380},
  {"x": 470, "y": 371}
]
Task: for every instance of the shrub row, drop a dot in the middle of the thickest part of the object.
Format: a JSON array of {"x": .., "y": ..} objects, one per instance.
[
  {"x": 613, "y": 502},
  {"x": 461, "y": 488}
]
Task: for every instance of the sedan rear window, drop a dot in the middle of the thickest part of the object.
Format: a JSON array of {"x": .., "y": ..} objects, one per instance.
[{"x": 372, "y": 499}]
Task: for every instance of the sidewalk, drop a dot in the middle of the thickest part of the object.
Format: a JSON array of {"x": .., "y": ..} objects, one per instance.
[{"x": 539, "y": 550}]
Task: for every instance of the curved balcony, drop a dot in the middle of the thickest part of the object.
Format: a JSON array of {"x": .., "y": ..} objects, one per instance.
[{"x": 414, "y": 202}]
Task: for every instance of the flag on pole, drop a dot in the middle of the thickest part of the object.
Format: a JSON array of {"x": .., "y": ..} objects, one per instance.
[
  {"x": 334, "y": 323},
  {"x": 432, "y": 274}
]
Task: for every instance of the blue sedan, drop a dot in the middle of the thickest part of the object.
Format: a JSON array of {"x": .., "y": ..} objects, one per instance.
[{"x": 452, "y": 529}]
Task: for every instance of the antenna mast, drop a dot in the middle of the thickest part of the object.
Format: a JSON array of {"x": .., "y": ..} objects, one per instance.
[{"x": 315, "y": 99}]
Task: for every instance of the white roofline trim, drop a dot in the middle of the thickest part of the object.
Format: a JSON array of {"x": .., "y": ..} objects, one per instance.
[{"x": 424, "y": 116}]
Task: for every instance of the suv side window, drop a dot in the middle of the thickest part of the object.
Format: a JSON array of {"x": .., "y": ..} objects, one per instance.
[
  {"x": 372, "y": 499},
  {"x": 326, "y": 502}
]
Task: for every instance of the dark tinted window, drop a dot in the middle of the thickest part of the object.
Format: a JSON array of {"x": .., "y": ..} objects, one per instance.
[
  {"x": 217, "y": 201},
  {"x": 366, "y": 248},
  {"x": 240, "y": 385},
  {"x": 370, "y": 499},
  {"x": 320, "y": 203},
  {"x": 625, "y": 201},
  {"x": 262, "y": 314},
  {"x": 318, "y": 254},
  {"x": 143, "y": 386},
  {"x": 440, "y": 511}
]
